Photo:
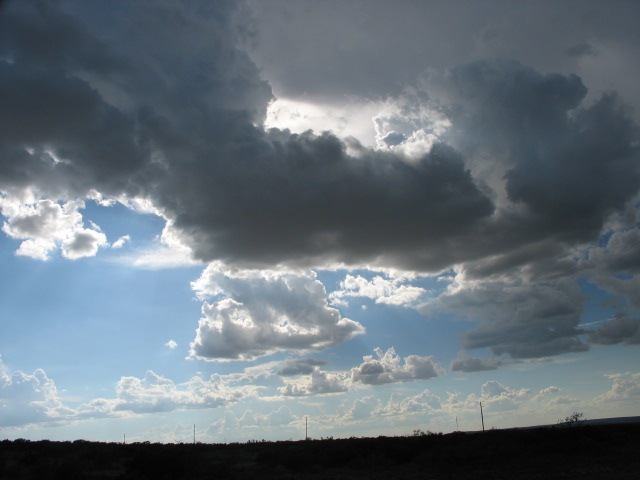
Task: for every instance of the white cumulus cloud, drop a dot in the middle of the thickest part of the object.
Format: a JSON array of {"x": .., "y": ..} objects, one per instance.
[
  {"x": 262, "y": 312},
  {"x": 382, "y": 290},
  {"x": 29, "y": 398},
  {"x": 119, "y": 243},
  {"x": 389, "y": 368},
  {"x": 155, "y": 393},
  {"x": 318, "y": 382},
  {"x": 45, "y": 225}
]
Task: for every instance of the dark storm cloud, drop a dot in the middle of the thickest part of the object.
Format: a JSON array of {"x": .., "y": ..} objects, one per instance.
[
  {"x": 621, "y": 253},
  {"x": 38, "y": 33},
  {"x": 573, "y": 186},
  {"x": 339, "y": 36},
  {"x": 621, "y": 329},
  {"x": 580, "y": 49},
  {"x": 615, "y": 263},
  {"x": 305, "y": 200},
  {"x": 47, "y": 112},
  {"x": 100, "y": 95},
  {"x": 518, "y": 318},
  {"x": 181, "y": 128},
  {"x": 563, "y": 168},
  {"x": 473, "y": 364},
  {"x": 376, "y": 47}
]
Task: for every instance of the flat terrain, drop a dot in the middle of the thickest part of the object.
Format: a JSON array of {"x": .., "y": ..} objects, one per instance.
[{"x": 585, "y": 452}]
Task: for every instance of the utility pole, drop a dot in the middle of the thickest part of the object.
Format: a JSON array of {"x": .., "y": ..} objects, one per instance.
[
  {"x": 194, "y": 433},
  {"x": 124, "y": 440},
  {"x": 482, "y": 416},
  {"x": 457, "y": 428},
  {"x": 306, "y": 431}
]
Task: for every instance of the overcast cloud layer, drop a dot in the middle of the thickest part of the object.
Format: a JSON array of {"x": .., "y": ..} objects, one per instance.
[{"x": 515, "y": 181}]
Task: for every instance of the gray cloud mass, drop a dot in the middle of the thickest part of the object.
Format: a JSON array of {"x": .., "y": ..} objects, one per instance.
[
  {"x": 180, "y": 129},
  {"x": 518, "y": 318},
  {"x": 473, "y": 364},
  {"x": 621, "y": 329}
]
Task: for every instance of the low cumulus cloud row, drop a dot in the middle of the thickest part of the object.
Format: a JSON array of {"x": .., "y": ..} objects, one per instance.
[
  {"x": 29, "y": 399},
  {"x": 388, "y": 367},
  {"x": 34, "y": 398},
  {"x": 504, "y": 406}
]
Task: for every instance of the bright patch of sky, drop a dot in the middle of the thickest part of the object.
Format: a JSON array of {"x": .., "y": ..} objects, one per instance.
[{"x": 351, "y": 119}]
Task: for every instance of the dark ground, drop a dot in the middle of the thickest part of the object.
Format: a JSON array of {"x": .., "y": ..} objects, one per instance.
[{"x": 585, "y": 452}]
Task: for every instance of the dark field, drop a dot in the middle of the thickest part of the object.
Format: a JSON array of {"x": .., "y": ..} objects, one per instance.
[{"x": 585, "y": 452}]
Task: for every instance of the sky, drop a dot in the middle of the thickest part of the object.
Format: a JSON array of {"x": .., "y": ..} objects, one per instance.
[{"x": 369, "y": 216}]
